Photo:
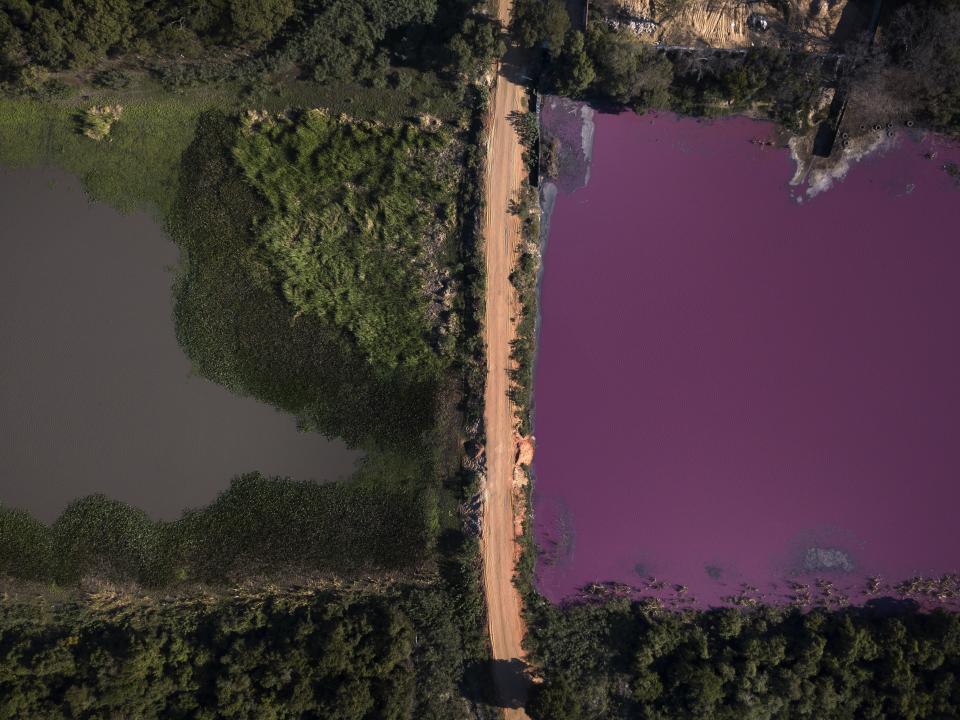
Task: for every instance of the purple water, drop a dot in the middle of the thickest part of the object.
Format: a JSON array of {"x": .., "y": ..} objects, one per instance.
[{"x": 736, "y": 391}]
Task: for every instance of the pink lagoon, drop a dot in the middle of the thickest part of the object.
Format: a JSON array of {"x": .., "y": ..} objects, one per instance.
[{"x": 745, "y": 393}]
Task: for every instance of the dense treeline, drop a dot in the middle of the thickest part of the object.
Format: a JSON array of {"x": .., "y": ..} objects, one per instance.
[
  {"x": 186, "y": 41},
  {"x": 622, "y": 660},
  {"x": 912, "y": 71},
  {"x": 73, "y": 34},
  {"x": 258, "y": 526},
  {"x": 357, "y": 656}
]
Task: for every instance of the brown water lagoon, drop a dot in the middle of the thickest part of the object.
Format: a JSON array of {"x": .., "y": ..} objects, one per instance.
[
  {"x": 95, "y": 394},
  {"x": 740, "y": 396}
]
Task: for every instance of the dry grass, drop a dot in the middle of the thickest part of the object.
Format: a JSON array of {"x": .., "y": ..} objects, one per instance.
[{"x": 98, "y": 121}]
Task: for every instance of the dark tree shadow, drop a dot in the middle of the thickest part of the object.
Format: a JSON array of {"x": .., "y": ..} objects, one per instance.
[
  {"x": 854, "y": 20},
  {"x": 519, "y": 65},
  {"x": 500, "y": 683}
]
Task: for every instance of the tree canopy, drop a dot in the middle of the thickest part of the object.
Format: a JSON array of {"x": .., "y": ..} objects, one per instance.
[
  {"x": 283, "y": 654},
  {"x": 195, "y": 41},
  {"x": 540, "y": 22},
  {"x": 619, "y": 660}
]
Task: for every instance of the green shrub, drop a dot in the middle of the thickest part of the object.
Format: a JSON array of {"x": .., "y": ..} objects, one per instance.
[
  {"x": 97, "y": 122},
  {"x": 98, "y": 535},
  {"x": 111, "y": 79},
  {"x": 26, "y": 546}
]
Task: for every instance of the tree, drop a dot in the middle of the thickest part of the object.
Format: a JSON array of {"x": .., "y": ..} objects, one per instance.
[
  {"x": 257, "y": 21},
  {"x": 628, "y": 71},
  {"x": 536, "y": 22},
  {"x": 45, "y": 38},
  {"x": 557, "y": 699},
  {"x": 281, "y": 655},
  {"x": 767, "y": 663},
  {"x": 474, "y": 48},
  {"x": 10, "y": 44},
  {"x": 573, "y": 71}
]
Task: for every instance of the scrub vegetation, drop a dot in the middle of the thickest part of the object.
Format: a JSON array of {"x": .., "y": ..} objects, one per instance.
[
  {"x": 239, "y": 329},
  {"x": 622, "y": 660},
  {"x": 358, "y": 216}
]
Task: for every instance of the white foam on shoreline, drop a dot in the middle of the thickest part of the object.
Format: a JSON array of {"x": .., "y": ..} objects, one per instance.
[{"x": 820, "y": 174}]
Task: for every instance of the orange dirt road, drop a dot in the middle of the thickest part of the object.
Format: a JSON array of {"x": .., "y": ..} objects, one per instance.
[{"x": 504, "y": 174}]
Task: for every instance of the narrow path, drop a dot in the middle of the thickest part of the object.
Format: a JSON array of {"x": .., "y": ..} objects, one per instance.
[{"x": 505, "y": 170}]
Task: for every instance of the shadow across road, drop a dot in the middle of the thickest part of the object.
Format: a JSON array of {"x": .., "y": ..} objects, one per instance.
[{"x": 500, "y": 683}]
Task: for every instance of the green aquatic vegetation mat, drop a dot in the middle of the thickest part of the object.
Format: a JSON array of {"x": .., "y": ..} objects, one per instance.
[
  {"x": 259, "y": 526},
  {"x": 357, "y": 213}
]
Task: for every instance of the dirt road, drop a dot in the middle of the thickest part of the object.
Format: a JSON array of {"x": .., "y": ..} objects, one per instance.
[{"x": 505, "y": 169}]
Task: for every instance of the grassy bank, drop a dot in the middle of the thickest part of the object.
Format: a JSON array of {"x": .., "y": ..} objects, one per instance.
[{"x": 137, "y": 168}]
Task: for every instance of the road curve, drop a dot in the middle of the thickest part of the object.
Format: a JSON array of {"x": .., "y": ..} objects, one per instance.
[{"x": 504, "y": 175}]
